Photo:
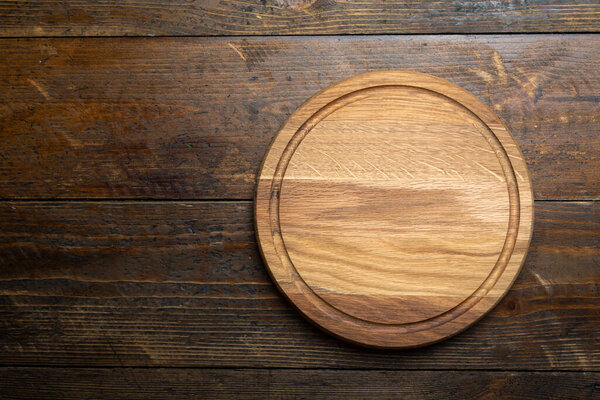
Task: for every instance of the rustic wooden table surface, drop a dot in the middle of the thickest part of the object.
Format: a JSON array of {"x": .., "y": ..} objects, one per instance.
[{"x": 131, "y": 134}]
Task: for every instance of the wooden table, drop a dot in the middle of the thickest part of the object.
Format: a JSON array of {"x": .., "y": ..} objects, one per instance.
[{"x": 131, "y": 134}]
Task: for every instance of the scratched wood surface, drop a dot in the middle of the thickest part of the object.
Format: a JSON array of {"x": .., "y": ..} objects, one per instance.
[
  {"x": 133, "y": 383},
  {"x": 293, "y": 17},
  {"x": 127, "y": 168},
  {"x": 182, "y": 284},
  {"x": 191, "y": 118},
  {"x": 394, "y": 209}
]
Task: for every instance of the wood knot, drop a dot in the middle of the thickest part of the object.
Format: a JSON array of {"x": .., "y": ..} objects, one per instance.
[
  {"x": 304, "y": 4},
  {"x": 512, "y": 306}
]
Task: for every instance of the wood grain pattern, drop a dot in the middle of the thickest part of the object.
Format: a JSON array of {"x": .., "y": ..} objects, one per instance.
[
  {"x": 393, "y": 209},
  {"x": 293, "y": 17},
  {"x": 177, "y": 383},
  {"x": 186, "y": 118},
  {"x": 182, "y": 284}
]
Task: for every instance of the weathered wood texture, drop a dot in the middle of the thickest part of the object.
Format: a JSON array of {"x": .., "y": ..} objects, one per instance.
[
  {"x": 277, "y": 17},
  {"x": 191, "y": 118},
  {"x": 182, "y": 284},
  {"x": 178, "y": 383},
  {"x": 394, "y": 209}
]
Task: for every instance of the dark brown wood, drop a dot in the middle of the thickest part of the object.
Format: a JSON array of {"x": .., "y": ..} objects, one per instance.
[
  {"x": 182, "y": 284},
  {"x": 118, "y": 283},
  {"x": 276, "y": 17},
  {"x": 184, "y": 118},
  {"x": 178, "y": 383}
]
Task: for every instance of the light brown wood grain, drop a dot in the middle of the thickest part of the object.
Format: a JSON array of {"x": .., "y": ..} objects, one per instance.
[{"x": 394, "y": 209}]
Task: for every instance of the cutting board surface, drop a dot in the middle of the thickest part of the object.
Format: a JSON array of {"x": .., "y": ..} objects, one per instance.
[{"x": 394, "y": 209}]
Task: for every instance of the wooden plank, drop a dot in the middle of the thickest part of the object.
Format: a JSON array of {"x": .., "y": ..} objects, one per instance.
[
  {"x": 293, "y": 17},
  {"x": 182, "y": 284},
  {"x": 176, "y": 383},
  {"x": 191, "y": 118}
]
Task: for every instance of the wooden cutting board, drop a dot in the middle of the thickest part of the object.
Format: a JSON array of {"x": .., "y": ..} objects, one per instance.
[{"x": 394, "y": 209}]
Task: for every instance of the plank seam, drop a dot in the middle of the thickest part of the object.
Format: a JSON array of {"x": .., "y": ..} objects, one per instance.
[{"x": 486, "y": 33}]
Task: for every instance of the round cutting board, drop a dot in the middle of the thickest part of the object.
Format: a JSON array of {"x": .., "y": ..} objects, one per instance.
[{"x": 394, "y": 209}]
